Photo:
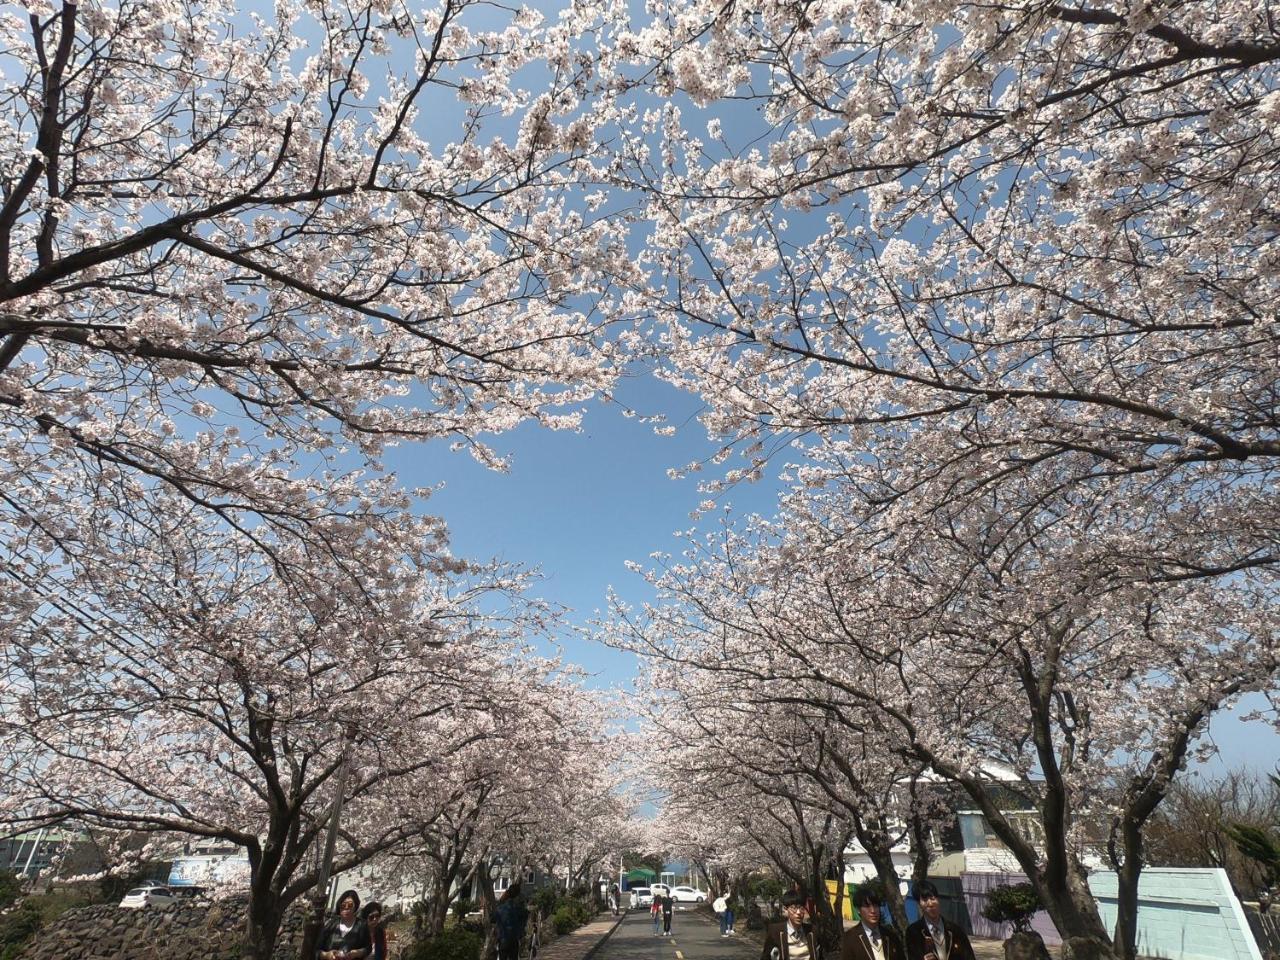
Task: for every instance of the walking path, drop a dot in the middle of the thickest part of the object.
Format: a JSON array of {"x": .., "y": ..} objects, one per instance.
[
  {"x": 696, "y": 936},
  {"x": 581, "y": 944}
]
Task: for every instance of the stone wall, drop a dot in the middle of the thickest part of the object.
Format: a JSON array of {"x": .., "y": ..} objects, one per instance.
[{"x": 189, "y": 931}]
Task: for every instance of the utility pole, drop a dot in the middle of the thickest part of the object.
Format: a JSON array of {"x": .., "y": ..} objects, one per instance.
[{"x": 320, "y": 899}]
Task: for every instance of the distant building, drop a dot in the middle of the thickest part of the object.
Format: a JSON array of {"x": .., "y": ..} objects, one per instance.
[{"x": 36, "y": 852}]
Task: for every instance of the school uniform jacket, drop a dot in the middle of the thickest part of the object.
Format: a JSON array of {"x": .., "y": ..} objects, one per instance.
[
  {"x": 958, "y": 946},
  {"x": 854, "y": 945},
  {"x": 775, "y": 942}
]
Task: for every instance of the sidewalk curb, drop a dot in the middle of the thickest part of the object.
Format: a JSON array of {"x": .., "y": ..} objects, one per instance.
[{"x": 591, "y": 951}]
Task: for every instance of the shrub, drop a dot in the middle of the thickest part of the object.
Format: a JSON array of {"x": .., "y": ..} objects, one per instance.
[
  {"x": 19, "y": 925},
  {"x": 544, "y": 901},
  {"x": 10, "y": 888},
  {"x": 569, "y": 914},
  {"x": 455, "y": 943},
  {"x": 1012, "y": 903}
]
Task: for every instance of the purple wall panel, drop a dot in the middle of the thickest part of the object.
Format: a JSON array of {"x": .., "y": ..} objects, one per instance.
[{"x": 976, "y": 885}]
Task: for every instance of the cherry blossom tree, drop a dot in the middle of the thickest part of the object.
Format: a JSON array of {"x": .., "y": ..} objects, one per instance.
[
  {"x": 233, "y": 256},
  {"x": 1048, "y": 229},
  {"x": 551, "y": 787},
  {"x": 1006, "y": 274},
  {"x": 1018, "y": 638},
  {"x": 782, "y": 747},
  {"x": 236, "y": 258},
  {"x": 180, "y": 687},
  {"x": 727, "y": 805}
]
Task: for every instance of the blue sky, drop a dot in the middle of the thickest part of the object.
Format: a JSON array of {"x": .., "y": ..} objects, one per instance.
[{"x": 579, "y": 505}]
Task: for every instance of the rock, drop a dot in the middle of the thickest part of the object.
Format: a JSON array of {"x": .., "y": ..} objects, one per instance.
[
  {"x": 1026, "y": 945},
  {"x": 1085, "y": 948}
]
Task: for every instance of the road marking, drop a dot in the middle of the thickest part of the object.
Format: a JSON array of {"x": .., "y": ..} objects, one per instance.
[{"x": 679, "y": 955}]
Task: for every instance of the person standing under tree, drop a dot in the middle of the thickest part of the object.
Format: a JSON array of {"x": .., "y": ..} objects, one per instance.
[
  {"x": 720, "y": 907},
  {"x": 371, "y": 914},
  {"x": 509, "y": 920},
  {"x": 345, "y": 936},
  {"x": 791, "y": 938},
  {"x": 930, "y": 937},
  {"x": 868, "y": 940}
]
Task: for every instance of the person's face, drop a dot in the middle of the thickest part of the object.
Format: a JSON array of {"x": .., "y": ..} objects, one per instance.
[
  {"x": 374, "y": 918},
  {"x": 870, "y": 914},
  {"x": 347, "y": 909},
  {"x": 796, "y": 913},
  {"x": 931, "y": 907}
]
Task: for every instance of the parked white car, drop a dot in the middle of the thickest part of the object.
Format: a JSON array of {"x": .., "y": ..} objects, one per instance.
[
  {"x": 659, "y": 890},
  {"x": 641, "y": 897},
  {"x": 688, "y": 895},
  {"x": 140, "y": 898}
]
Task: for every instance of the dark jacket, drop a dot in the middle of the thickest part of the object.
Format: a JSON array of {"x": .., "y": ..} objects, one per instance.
[
  {"x": 357, "y": 938},
  {"x": 958, "y": 945},
  {"x": 775, "y": 942},
  {"x": 510, "y": 919},
  {"x": 854, "y": 946}
]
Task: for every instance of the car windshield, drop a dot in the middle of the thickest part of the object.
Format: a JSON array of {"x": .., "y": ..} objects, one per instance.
[{"x": 136, "y": 893}]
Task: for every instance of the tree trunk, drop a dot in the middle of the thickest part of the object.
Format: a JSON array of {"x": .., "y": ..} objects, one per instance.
[
  {"x": 1075, "y": 913},
  {"x": 875, "y": 841},
  {"x": 1128, "y": 872},
  {"x": 921, "y": 856},
  {"x": 827, "y": 924},
  {"x": 842, "y": 888},
  {"x": 437, "y": 906},
  {"x": 484, "y": 876},
  {"x": 262, "y": 927}
]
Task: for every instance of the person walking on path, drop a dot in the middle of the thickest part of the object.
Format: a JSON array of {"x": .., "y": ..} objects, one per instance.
[
  {"x": 721, "y": 908},
  {"x": 930, "y": 937},
  {"x": 668, "y": 908},
  {"x": 868, "y": 940},
  {"x": 792, "y": 937},
  {"x": 655, "y": 911},
  {"x": 509, "y": 921}
]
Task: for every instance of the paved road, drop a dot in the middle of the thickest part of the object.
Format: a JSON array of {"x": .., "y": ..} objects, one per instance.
[{"x": 693, "y": 937}]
